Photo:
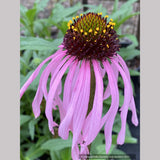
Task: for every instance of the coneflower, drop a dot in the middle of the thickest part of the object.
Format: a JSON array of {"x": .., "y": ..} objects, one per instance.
[{"x": 89, "y": 51}]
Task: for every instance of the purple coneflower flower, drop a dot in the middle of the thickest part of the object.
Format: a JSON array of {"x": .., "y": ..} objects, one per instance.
[{"x": 89, "y": 52}]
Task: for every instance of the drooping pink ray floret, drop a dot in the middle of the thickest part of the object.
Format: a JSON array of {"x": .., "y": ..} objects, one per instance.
[{"x": 90, "y": 45}]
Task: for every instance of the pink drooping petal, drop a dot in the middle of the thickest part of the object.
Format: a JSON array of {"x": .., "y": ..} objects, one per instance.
[
  {"x": 127, "y": 100},
  {"x": 44, "y": 77},
  {"x": 51, "y": 94},
  {"x": 134, "y": 113},
  {"x": 132, "y": 104},
  {"x": 35, "y": 73},
  {"x": 66, "y": 123},
  {"x": 110, "y": 115},
  {"x": 94, "y": 123},
  {"x": 75, "y": 153},
  {"x": 57, "y": 67},
  {"x": 102, "y": 70},
  {"x": 82, "y": 106},
  {"x": 84, "y": 150},
  {"x": 67, "y": 86},
  {"x": 75, "y": 75},
  {"x": 107, "y": 91}
]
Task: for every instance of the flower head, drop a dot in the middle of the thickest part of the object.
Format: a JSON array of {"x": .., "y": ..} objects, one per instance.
[
  {"x": 91, "y": 37},
  {"x": 89, "y": 51}
]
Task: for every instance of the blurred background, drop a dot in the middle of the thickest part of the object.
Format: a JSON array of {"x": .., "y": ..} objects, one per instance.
[{"x": 43, "y": 24}]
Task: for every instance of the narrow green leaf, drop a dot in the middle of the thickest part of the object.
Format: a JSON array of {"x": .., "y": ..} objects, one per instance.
[
  {"x": 31, "y": 127},
  {"x": 24, "y": 119},
  {"x": 65, "y": 12},
  {"x": 30, "y": 14},
  {"x": 123, "y": 9},
  {"x": 39, "y": 44},
  {"x": 115, "y": 6},
  {"x": 34, "y": 152},
  {"x": 56, "y": 144},
  {"x": 118, "y": 24}
]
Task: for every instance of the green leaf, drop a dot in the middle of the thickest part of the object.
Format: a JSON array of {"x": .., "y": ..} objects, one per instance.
[
  {"x": 125, "y": 19},
  {"x": 24, "y": 64},
  {"x": 123, "y": 9},
  {"x": 65, "y": 154},
  {"x": 55, "y": 155},
  {"x": 115, "y": 6},
  {"x": 39, "y": 44},
  {"x": 34, "y": 152},
  {"x": 134, "y": 72},
  {"x": 23, "y": 10},
  {"x": 65, "y": 12},
  {"x": 128, "y": 53},
  {"x": 31, "y": 127},
  {"x": 101, "y": 149},
  {"x": 40, "y": 5},
  {"x": 130, "y": 140},
  {"x": 98, "y": 141},
  {"x": 30, "y": 14},
  {"x": 24, "y": 119},
  {"x": 56, "y": 144}
]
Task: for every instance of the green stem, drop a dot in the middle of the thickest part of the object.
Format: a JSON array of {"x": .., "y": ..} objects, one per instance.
[{"x": 92, "y": 92}]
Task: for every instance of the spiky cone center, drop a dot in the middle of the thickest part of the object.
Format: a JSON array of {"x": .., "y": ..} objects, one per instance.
[{"x": 91, "y": 37}]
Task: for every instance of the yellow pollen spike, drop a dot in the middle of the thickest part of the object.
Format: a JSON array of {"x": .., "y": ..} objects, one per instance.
[
  {"x": 85, "y": 33},
  {"x": 81, "y": 30},
  {"x": 104, "y": 31},
  {"x": 70, "y": 21},
  {"x": 100, "y": 13},
  {"x": 111, "y": 20},
  {"x": 90, "y": 30},
  {"x": 95, "y": 33},
  {"x": 75, "y": 29},
  {"x": 109, "y": 35},
  {"x": 81, "y": 15},
  {"x": 72, "y": 27},
  {"x": 113, "y": 24},
  {"x": 97, "y": 28},
  {"x": 77, "y": 16},
  {"x": 106, "y": 16},
  {"x": 108, "y": 26},
  {"x": 107, "y": 46},
  {"x": 110, "y": 23},
  {"x": 111, "y": 27},
  {"x": 73, "y": 18},
  {"x": 95, "y": 40},
  {"x": 74, "y": 38}
]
